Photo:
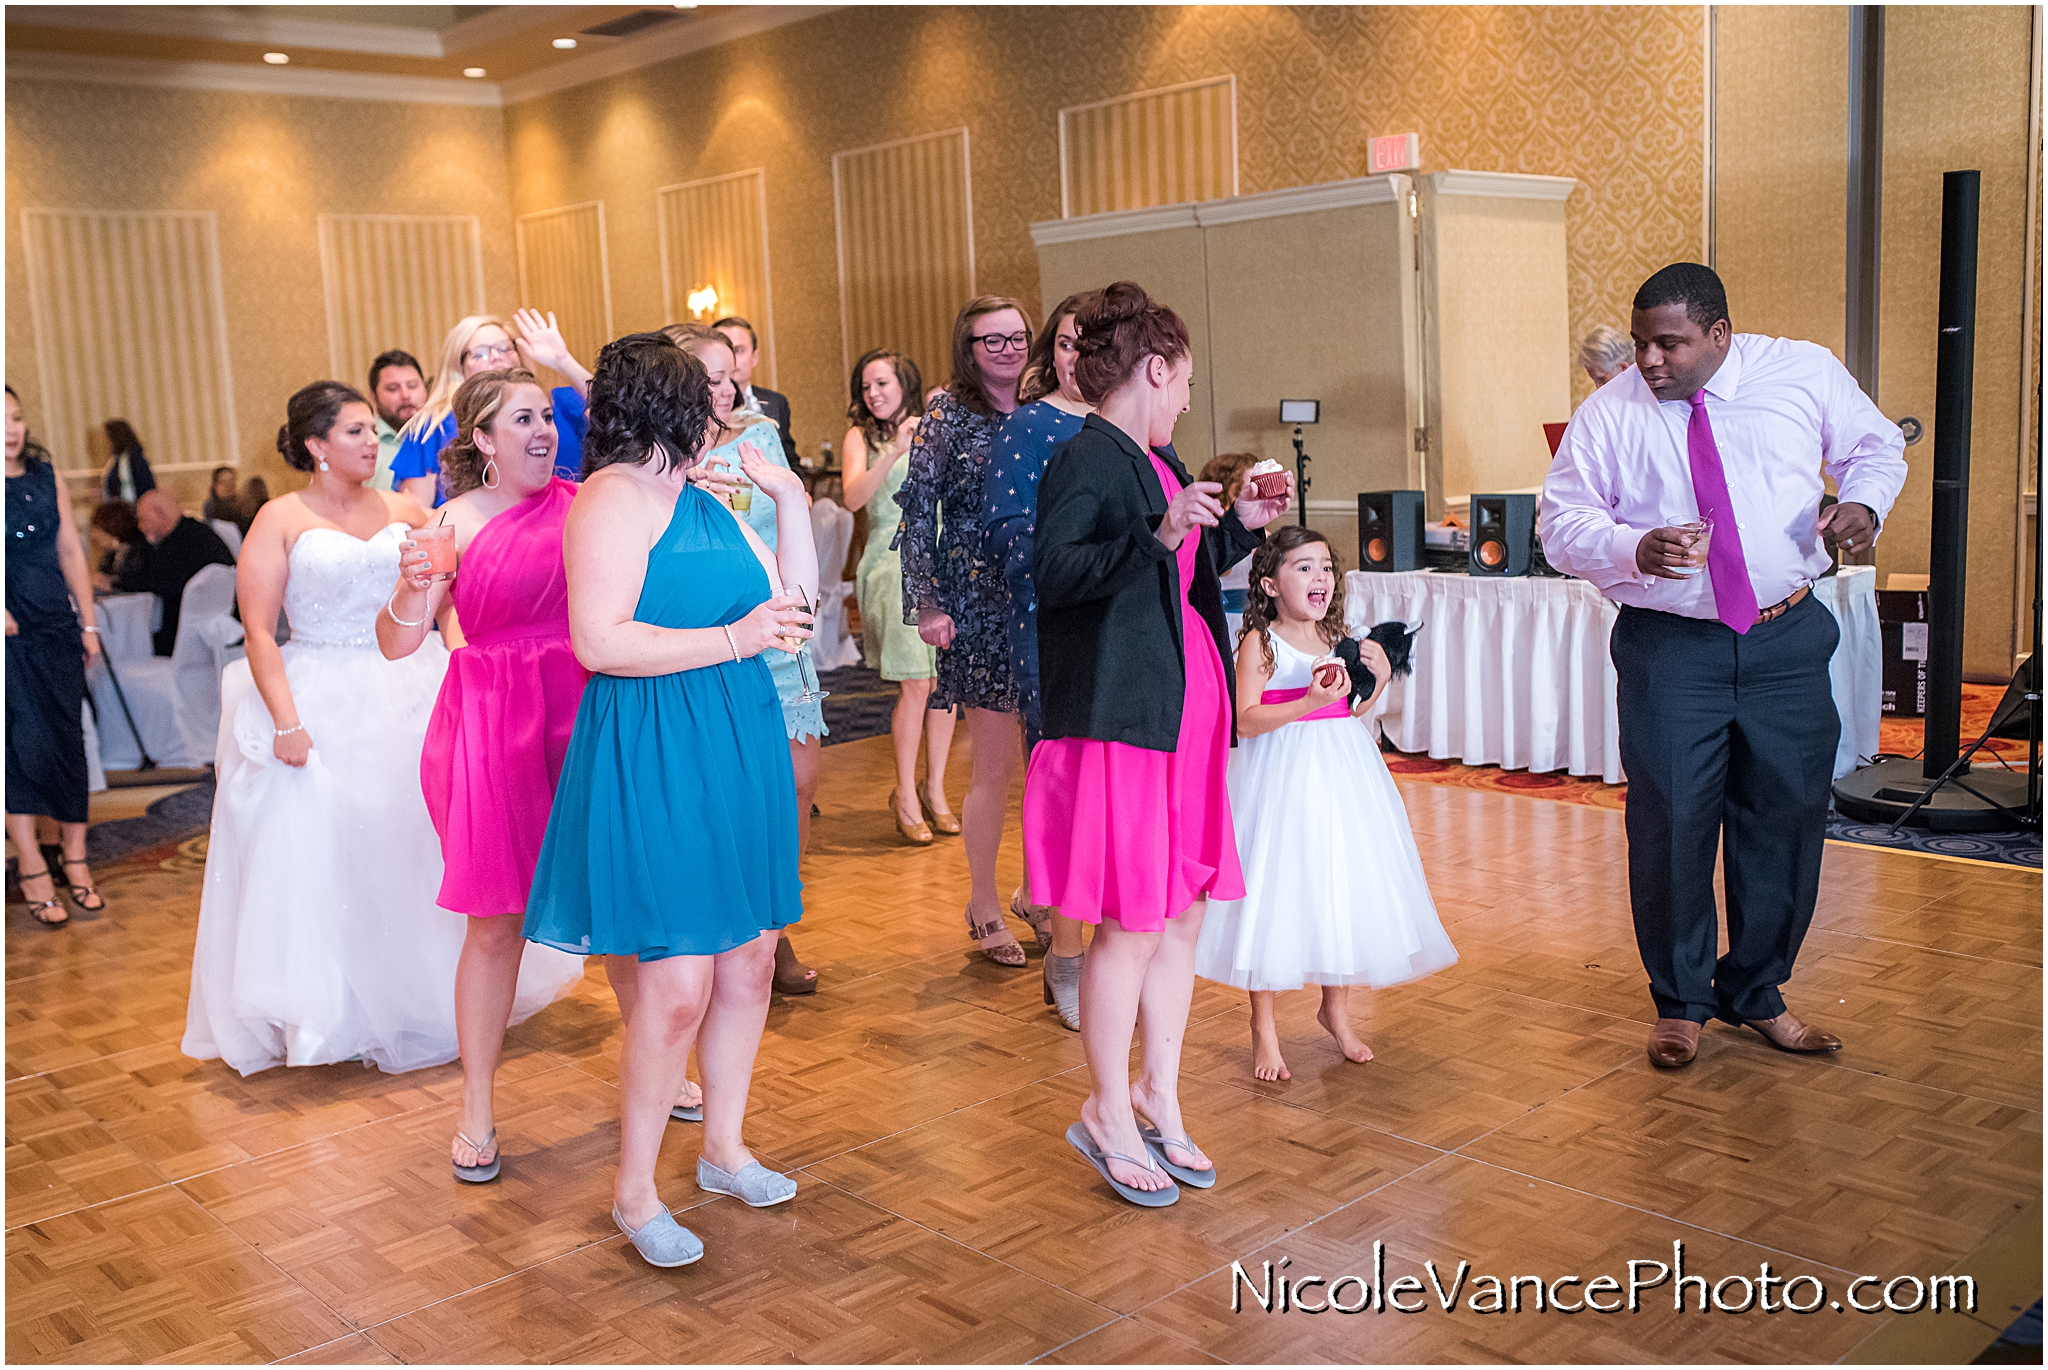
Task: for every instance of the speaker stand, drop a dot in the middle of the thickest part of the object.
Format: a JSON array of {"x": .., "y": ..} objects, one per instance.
[{"x": 1961, "y": 799}]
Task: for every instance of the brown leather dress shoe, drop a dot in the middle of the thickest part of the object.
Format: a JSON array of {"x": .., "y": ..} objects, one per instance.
[
  {"x": 1674, "y": 1042},
  {"x": 1787, "y": 1033}
]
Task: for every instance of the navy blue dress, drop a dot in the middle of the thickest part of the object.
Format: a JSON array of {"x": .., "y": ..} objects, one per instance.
[
  {"x": 673, "y": 831},
  {"x": 1022, "y": 451},
  {"x": 45, "y": 660}
]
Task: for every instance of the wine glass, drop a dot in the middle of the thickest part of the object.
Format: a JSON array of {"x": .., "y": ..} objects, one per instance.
[{"x": 812, "y": 691}]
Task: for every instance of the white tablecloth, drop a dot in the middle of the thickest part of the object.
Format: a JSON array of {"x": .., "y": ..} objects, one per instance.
[
  {"x": 1514, "y": 672},
  {"x": 125, "y": 623}
]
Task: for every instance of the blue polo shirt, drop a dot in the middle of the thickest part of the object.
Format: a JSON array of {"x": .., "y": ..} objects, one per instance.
[{"x": 419, "y": 454}]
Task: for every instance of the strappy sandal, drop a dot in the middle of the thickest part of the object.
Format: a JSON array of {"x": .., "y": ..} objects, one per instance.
[
  {"x": 1009, "y": 955},
  {"x": 40, "y": 910},
  {"x": 1039, "y": 916},
  {"x": 80, "y": 893},
  {"x": 483, "y": 1172}
]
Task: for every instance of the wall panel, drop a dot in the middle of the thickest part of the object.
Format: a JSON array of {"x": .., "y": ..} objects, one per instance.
[
  {"x": 906, "y": 247},
  {"x": 1155, "y": 147},
  {"x": 563, "y": 268},
  {"x": 130, "y": 324},
  {"x": 714, "y": 233},
  {"x": 396, "y": 280}
]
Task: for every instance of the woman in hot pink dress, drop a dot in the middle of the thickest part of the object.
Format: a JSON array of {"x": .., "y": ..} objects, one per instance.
[
  {"x": 1126, "y": 809},
  {"x": 500, "y": 728}
]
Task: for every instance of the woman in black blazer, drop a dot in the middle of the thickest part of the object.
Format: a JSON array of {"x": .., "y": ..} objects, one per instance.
[{"x": 1126, "y": 807}]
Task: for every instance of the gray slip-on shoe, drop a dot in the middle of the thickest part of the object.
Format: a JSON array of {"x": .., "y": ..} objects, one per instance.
[
  {"x": 755, "y": 1185},
  {"x": 663, "y": 1241}
]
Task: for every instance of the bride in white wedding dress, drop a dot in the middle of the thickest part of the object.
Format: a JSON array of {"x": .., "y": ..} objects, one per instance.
[{"x": 319, "y": 938}]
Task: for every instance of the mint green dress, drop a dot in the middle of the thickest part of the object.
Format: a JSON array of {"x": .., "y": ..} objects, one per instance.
[
  {"x": 802, "y": 719},
  {"x": 889, "y": 645}
]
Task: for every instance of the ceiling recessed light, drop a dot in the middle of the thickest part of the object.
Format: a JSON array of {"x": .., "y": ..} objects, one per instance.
[
  {"x": 565, "y": 43},
  {"x": 277, "y": 59},
  {"x": 473, "y": 73}
]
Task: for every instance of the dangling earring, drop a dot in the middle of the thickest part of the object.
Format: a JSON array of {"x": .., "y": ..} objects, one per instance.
[
  {"x": 490, "y": 473},
  {"x": 323, "y": 465}
]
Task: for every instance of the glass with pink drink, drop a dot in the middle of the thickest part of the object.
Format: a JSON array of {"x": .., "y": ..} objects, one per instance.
[{"x": 438, "y": 542}]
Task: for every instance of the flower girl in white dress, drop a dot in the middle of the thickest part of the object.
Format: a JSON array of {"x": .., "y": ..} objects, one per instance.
[{"x": 1335, "y": 894}]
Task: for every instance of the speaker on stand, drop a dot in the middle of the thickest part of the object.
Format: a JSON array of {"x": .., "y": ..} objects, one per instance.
[{"x": 1390, "y": 530}]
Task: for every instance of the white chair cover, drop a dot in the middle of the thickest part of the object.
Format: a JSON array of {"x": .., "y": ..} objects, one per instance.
[
  {"x": 229, "y": 534},
  {"x": 832, "y": 645},
  {"x": 175, "y": 701}
]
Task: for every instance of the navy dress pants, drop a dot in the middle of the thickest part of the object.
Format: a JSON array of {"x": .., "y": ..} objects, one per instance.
[{"x": 1729, "y": 744}]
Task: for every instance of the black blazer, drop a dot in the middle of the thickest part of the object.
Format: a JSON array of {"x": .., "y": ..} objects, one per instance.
[
  {"x": 1111, "y": 664},
  {"x": 775, "y": 405}
]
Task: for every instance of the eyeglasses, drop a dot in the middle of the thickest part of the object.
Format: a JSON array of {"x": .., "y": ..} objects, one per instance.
[
  {"x": 1003, "y": 342},
  {"x": 503, "y": 349}
]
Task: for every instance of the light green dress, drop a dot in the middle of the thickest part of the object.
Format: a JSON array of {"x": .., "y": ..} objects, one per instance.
[
  {"x": 801, "y": 719},
  {"x": 889, "y": 645}
]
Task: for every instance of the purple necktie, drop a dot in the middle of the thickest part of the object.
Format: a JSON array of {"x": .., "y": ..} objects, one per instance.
[{"x": 1726, "y": 570}]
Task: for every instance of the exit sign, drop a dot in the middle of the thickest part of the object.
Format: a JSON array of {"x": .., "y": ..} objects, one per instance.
[{"x": 1395, "y": 152}]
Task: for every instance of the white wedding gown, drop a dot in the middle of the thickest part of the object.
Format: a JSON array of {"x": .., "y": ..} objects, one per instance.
[
  {"x": 1334, "y": 889},
  {"x": 319, "y": 939}
]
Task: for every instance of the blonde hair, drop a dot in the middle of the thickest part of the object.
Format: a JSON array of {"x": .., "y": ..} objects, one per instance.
[
  {"x": 1607, "y": 349},
  {"x": 476, "y": 405},
  {"x": 448, "y": 379}
]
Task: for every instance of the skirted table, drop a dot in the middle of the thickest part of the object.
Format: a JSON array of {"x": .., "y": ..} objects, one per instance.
[{"x": 1514, "y": 672}]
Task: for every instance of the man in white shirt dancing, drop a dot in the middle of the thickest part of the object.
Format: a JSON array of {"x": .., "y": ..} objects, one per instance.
[{"x": 1728, "y": 723}]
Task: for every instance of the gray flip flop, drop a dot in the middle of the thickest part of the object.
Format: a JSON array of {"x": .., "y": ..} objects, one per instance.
[
  {"x": 1078, "y": 1138},
  {"x": 479, "y": 1174},
  {"x": 687, "y": 1114},
  {"x": 1156, "y": 1142}
]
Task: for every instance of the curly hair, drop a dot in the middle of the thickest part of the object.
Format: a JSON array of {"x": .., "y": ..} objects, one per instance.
[
  {"x": 1228, "y": 469},
  {"x": 476, "y": 406},
  {"x": 1041, "y": 377},
  {"x": 648, "y": 398},
  {"x": 966, "y": 385},
  {"x": 1261, "y": 608},
  {"x": 1120, "y": 327},
  {"x": 311, "y": 414},
  {"x": 880, "y": 431}
]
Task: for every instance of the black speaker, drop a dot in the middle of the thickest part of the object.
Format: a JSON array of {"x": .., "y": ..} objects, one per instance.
[
  {"x": 1503, "y": 531},
  {"x": 1390, "y": 530}
]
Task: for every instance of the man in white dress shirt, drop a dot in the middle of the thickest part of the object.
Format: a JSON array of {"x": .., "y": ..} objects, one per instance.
[{"x": 1728, "y": 724}]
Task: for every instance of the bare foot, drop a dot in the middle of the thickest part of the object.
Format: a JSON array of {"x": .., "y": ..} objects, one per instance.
[
  {"x": 691, "y": 1097},
  {"x": 467, "y": 1156},
  {"x": 1339, "y": 1027},
  {"x": 1125, "y": 1141},
  {"x": 1266, "y": 1062}
]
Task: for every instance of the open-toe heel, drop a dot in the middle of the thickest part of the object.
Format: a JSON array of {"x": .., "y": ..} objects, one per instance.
[
  {"x": 918, "y": 834},
  {"x": 81, "y": 893},
  {"x": 1038, "y": 916},
  {"x": 41, "y": 909},
  {"x": 1009, "y": 955}
]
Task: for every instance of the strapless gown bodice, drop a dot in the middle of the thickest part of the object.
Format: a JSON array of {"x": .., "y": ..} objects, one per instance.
[{"x": 337, "y": 584}]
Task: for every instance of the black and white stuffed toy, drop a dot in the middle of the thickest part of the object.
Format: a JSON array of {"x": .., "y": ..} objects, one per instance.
[{"x": 1396, "y": 639}]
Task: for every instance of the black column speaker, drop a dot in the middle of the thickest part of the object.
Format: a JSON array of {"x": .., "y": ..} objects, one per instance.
[
  {"x": 1390, "y": 530},
  {"x": 1503, "y": 531}
]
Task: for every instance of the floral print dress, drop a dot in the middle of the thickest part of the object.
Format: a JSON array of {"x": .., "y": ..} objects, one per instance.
[{"x": 945, "y": 561}]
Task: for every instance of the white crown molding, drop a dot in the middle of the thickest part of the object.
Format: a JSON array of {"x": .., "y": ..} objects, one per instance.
[
  {"x": 1366, "y": 190},
  {"x": 249, "y": 79},
  {"x": 1501, "y": 185},
  {"x": 234, "y": 25},
  {"x": 660, "y": 45},
  {"x": 1114, "y": 224}
]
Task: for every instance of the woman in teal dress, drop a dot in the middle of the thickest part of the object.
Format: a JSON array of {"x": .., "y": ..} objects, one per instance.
[
  {"x": 887, "y": 390},
  {"x": 672, "y": 845},
  {"x": 730, "y": 430}
]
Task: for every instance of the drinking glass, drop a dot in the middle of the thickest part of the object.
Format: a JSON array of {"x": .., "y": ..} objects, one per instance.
[
  {"x": 812, "y": 692},
  {"x": 438, "y": 542},
  {"x": 1702, "y": 533}
]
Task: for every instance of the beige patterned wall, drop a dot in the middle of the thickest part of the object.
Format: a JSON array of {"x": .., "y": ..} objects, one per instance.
[
  {"x": 1154, "y": 147},
  {"x": 906, "y": 247},
  {"x": 714, "y": 235},
  {"x": 266, "y": 167},
  {"x": 397, "y": 280},
  {"x": 1612, "y": 97},
  {"x": 562, "y": 272}
]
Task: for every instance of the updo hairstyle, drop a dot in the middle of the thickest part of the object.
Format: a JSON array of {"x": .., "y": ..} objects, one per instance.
[
  {"x": 648, "y": 398},
  {"x": 477, "y": 403},
  {"x": 311, "y": 414},
  {"x": 1120, "y": 327}
]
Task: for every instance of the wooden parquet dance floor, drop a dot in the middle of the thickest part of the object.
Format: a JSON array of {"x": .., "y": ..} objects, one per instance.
[{"x": 160, "y": 1208}]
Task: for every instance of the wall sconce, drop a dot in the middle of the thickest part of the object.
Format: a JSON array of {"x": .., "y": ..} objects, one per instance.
[{"x": 703, "y": 302}]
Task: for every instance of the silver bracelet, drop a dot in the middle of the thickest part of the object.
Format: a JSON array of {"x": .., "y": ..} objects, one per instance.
[
  {"x": 90, "y": 629},
  {"x": 401, "y": 622},
  {"x": 731, "y": 642},
  {"x": 295, "y": 728}
]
